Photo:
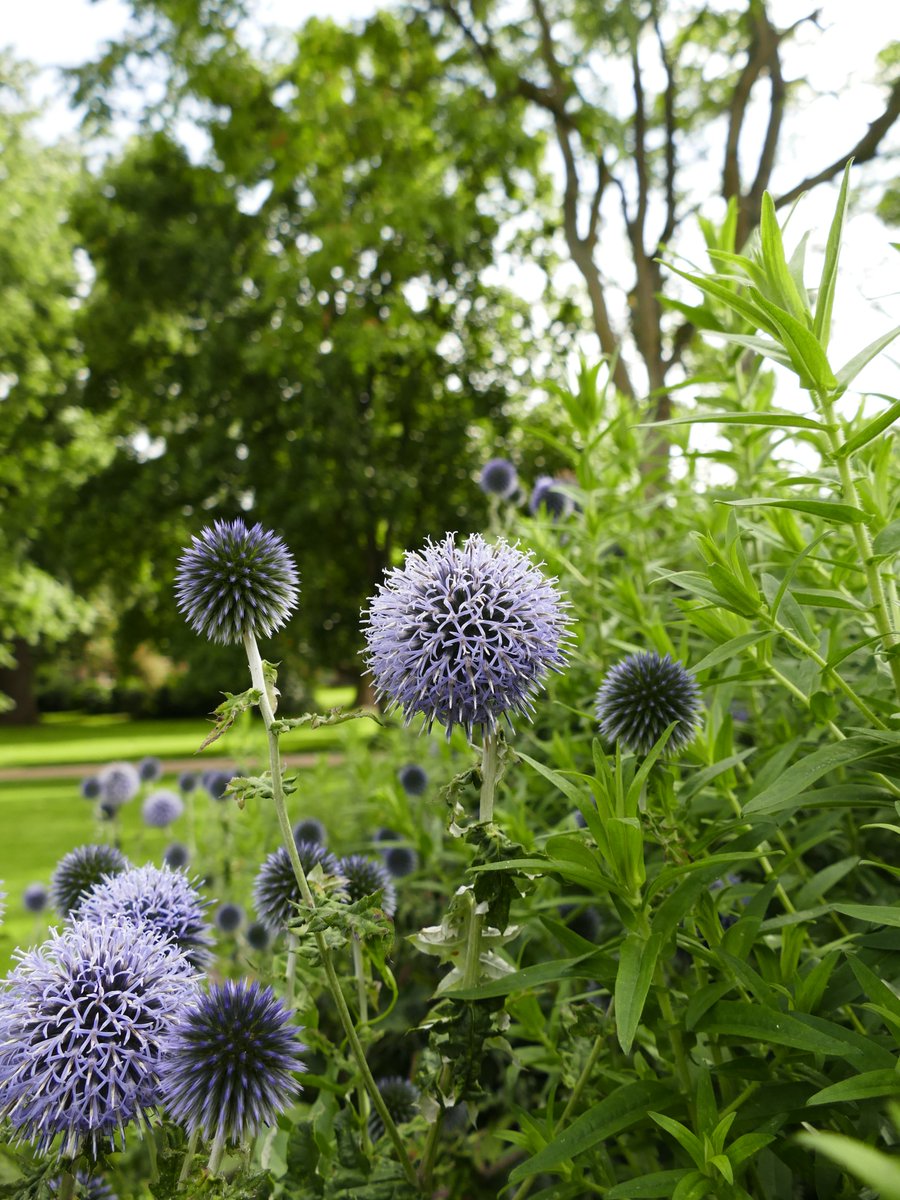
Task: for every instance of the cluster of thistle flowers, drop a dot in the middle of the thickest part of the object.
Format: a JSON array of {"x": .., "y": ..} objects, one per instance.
[
  {"x": 109, "y": 1022},
  {"x": 119, "y": 783},
  {"x": 548, "y": 497}
]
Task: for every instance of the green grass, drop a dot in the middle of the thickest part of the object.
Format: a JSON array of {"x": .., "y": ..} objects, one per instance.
[{"x": 76, "y": 739}]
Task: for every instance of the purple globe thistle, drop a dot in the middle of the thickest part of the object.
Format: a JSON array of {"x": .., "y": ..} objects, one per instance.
[
  {"x": 229, "y": 917},
  {"x": 159, "y": 899},
  {"x": 465, "y": 636},
  {"x": 400, "y": 861},
  {"x": 498, "y": 478},
  {"x": 162, "y": 808},
  {"x": 35, "y": 898},
  {"x": 386, "y": 835},
  {"x": 119, "y": 783},
  {"x": 177, "y": 856},
  {"x": 187, "y": 781},
  {"x": 258, "y": 936},
  {"x": 216, "y": 783},
  {"x": 401, "y": 1099},
  {"x": 79, "y": 872},
  {"x": 364, "y": 877},
  {"x": 549, "y": 496},
  {"x": 641, "y": 696},
  {"x": 230, "y": 1062},
  {"x": 87, "y": 1187},
  {"x": 413, "y": 779},
  {"x": 149, "y": 769},
  {"x": 276, "y": 893},
  {"x": 233, "y": 581},
  {"x": 80, "y": 1025},
  {"x": 310, "y": 830},
  {"x": 91, "y": 787}
]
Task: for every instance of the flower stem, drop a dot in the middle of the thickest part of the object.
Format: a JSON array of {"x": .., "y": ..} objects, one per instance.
[
  {"x": 217, "y": 1152},
  {"x": 290, "y": 970},
  {"x": 359, "y": 971},
  {"x": 334, "y": 986},
  {"x": 490, "y": 765},
  {"x": 66, "y": 1186},
  {"x": 189, "y": 1156}
]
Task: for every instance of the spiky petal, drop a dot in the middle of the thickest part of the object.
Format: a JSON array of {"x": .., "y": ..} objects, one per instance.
[
  {"x": 232, "y": 581},
  {"x": 642, "y": 695},
  {"x": 231, "y": 1061},
  {"x": 466, "y": 635}
]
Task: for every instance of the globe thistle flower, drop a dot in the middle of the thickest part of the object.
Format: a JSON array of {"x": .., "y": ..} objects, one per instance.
[
  {"x": 187, "y": 781},
  {"x": 149, "y": 769},
  {"x": 310, "y": 830},
  {"x": 177, "y": 856},
  {"x": 364, "y": 877},
  {"x": 35, "y": 898},
  {"x": 386, "y": 835},
  {"x": 641, "y": 696},
  {"x": 400, "y": 861},
  {"x": 87, "y": 1187},
  {"x": 159, "y": 899},
  {"x": 80, "y": 1025},
  {"x": 229, "y": 917},
  {"x": 413, "y": 779},
  {"x": 547, "y": 495},
  {"x": 258, "y": 936},
  {"x": 465, "y": 636},
  {"x": 162, "y": 808},
  {"x": 230, "y": 1062},
  {"x": 276, "y": 893},
  {"x": 216, "y": 783},
  {"x": 81, "y": 870},
  {"x": 233, "y": 581},
  {"x": 119, "y": 783},
  {"x": 91, "y": 787},
  {"x": 107, "y": 811},
  {"x": 401, "y": 1099},
  {"x": 498, "y": 478}
]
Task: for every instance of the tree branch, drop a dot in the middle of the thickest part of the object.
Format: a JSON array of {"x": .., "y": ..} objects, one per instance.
[{"x": 670, "y": 126}]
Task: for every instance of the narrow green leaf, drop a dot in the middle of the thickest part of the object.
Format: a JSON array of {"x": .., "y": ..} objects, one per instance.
[
  {"x": 779, "y": 277},
  {"x": 764, "y": 346},
  {"x": 877, "y": 1170},
  {"x": 688, "y": 1141},
  {"x": 825, "y": 298},
  {"x": 649, "y": 1187},
  {"x": 849, "y": 372},
  {"x": 778, "y": 420},
  {"x": 861, "y": 1087},
  {"x": 637, "y": 962},
  {"x": 530, "y": 977},
  {"x": 622, "y": 1108},
  {"x": 873, "y": 914},
  {"x": 795, "y": 781},
  {"x": 807, "y": 356},
  {"x": 753, "y": 1023},
  {"x": 871, "y": 429},
  {"x": 725, "y": 292},
  {"x": 874, "y": 988},
  {"x": 887, "y": 542},
  {"x": 828, "y": 510},
  {"x": 814, "y": 889},
  {"x": 731, "y": 649}
]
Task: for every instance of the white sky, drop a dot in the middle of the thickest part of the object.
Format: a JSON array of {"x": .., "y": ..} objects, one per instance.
[{"x": 58, "y": 33}]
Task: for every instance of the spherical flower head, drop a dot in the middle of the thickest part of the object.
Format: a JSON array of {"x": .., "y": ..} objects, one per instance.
[
  {"x": 90, "y": 787},
  {"x": 161, "y": 808},
  {"x": 499, "y": 478},
  {"x": 87, "y": 1187},
  {"x": 401, "y": 1099},
  {"x": 187, "y": 781},
  {"x": 35, "y": 898},
  {"x": 229, "y": 917},
  {"x": 177, "y": 856},
  {"x": 160, "y": 899},
  {"x": 258, "y": 936},
  {"x": 466, "y": 635},
  {"x": 642, "y": 695},
  {"x": 230, "y": 1062},
  {"x": 149, "y": 769},
  {"x": 79, "y": 872},
  {"x": 216, "y": 783},
  {"x": 364, "y": 877},
  {"x": 549, "y": 496},
  {"x": 413, "y": 779},
  {"x": 80, "y": 1025},
  {"x": 232, "y": 581},
  {"x": 400, "y": 861},
  {"x": 276, "y": 893},
  {"x": 119, "y": 783},
  {"x": 310, "y": 830}
]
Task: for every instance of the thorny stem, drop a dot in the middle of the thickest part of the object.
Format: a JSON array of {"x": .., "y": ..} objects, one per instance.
[
  {"x": 265, "y": 705},
  {"x": 189, "y": 1156}
]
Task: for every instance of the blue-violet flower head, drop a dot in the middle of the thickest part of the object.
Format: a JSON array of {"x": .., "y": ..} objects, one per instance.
[
  {"x": 230, "y": 1062},
  {"x": 91, "y": 787},
  {"x": 401, "y": 1099},
  {"x": 176, "y": 855},
  {"x": 161, "y": 808},
  {"x": 187, "y": 781},
  {"x": 308, "y": 829},
  {"x": 465, "y": 635},
  {"x": 549, "y": 496},
  {"x": 276, "y": 893},
  {"x": 229, "y": 917},
  {"x": 80, "y": 1024},
  {"x": 413, "y": 779},
  {"x": 642, "y": 695},
  {"x": 119, "y": 783},
  {"x": 159, "y": 899},
  {"x": 232, "y": 581},
  {"x": 79, "y": 872},
  {"x": 35, "y": 898},
  {"x": 364, "y": 877},
  {"x": 400, "y": 861},
  {"x": 499, "y": 478},
  {"x": 149, "y": 769},
  {"x": 258, "y": 936}
]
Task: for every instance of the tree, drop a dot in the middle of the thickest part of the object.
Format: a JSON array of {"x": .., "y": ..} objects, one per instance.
[
  {"x": 686, "y": 78},
  {"x": 50, "y": 442},
  {"x": 298, "y": 326}
]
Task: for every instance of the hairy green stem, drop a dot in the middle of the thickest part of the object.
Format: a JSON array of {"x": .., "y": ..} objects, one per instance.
[
  {"x": 268, "y": 714},
  {"x": 66, "y": 1186},
  {"x": 359, "y": 970},
  {"x": 217, "y": 1152},
  {"x": 490, "y": 766},
  {"x": 189, "y": 1156},
  {"x": 290, "y": 970}
]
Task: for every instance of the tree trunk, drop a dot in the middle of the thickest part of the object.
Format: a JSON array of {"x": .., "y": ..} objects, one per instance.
[
  {"x": 17, "y": 682},
  {"x": 365, "y": 693}
]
